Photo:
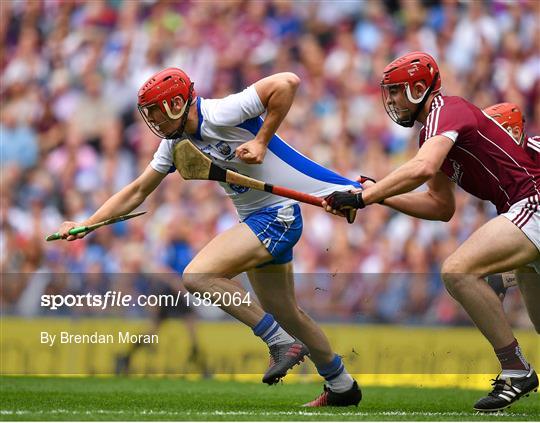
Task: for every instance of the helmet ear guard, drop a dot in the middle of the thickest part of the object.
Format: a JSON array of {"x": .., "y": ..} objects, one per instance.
[
  {"x": 184, "y": 114},
  {"x": 170, "y": 113},
  {"x": 411, "y": 98}
]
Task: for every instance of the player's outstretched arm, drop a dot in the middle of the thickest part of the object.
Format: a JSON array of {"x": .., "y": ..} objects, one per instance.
[
  {"x": 437, "y": 203},
  {"x": 276, "y": 93},
  {"x": 123, "y": 202},
  {"x": 420, "y": 169}
]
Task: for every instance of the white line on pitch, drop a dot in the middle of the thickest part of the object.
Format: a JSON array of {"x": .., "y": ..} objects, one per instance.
[{"x": 253, "y": 412}]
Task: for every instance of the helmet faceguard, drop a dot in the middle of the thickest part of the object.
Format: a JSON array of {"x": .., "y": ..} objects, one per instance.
[
  {"x": 157, "y": 98},
  {"x": 509, "y": 116},
  {"x": 400, "y": 77},
  {"x": 403, "y": 115}
]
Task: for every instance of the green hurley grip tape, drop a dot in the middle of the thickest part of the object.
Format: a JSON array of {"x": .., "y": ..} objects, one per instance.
[
  {"x": 79, "y": 229},
  {"x": 73, "y": 231}
]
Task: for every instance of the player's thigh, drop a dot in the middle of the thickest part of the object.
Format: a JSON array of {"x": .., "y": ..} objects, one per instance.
[
  {"x": 529, "y": 284},
  {"x": 274, "y": 287},
  {"x": 498, "y": 246},
  {"x": 230, "y": 253}
]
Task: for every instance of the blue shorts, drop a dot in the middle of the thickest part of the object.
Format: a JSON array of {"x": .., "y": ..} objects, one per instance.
[{"x": 279, "y": 229}]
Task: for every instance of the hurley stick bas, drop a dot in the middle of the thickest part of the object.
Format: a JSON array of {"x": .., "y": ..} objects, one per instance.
[{"x": 192, "y": 163}]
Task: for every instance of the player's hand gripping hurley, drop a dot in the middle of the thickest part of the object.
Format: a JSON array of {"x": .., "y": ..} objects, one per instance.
[
  {"x": 192, "y": 163},
  {"x": 89, "y": 228}
]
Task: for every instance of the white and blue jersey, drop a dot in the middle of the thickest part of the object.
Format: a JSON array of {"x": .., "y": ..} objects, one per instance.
[{"x": 225, "y": 124}]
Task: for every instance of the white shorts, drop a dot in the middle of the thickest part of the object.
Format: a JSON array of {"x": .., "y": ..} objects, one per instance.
[{"x": 525, "y": 214}]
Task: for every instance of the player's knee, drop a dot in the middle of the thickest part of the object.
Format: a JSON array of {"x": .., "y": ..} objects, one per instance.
[
  {"x": 194, "y": 281},
  {"x": 452, "y": 274}
]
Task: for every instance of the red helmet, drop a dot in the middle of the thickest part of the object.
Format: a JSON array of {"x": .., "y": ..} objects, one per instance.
[
  {"x": 508, "y": 115},
  {"x": 405, "y": 72},
  {"x": 155, "y": 101}
]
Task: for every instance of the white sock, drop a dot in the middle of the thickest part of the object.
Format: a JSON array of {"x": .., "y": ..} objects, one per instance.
[
  {"x": 505, "y": 374},
  {"x": 341, "y": 383},
  {"x": 337, "y": 378},
  {"x": 276, "y": 335}
]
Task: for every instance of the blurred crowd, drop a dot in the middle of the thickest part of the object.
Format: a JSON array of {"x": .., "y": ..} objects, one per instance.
[{"x": 71, "y": 135}]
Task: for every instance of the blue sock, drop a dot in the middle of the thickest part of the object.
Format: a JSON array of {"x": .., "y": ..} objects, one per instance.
[
  {"x": 271, "y": 332},
  {"x": 337, "y": 378}
]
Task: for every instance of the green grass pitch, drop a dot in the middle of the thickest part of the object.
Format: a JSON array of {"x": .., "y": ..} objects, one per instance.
[{"x": 109, "y": 398}]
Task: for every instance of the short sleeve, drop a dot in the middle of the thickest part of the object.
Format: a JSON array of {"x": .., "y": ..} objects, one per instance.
[
  {"x": 533, "y": 143},
  {"x": 233, "y": 109},
  {"x": 449, "y": 119},
  {"x": 163, "y": 159}
]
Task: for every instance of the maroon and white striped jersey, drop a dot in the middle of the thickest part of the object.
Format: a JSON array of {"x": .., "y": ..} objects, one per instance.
[
  {"x": 485, "y": 160},
  {"x": 532, "y": 147}
]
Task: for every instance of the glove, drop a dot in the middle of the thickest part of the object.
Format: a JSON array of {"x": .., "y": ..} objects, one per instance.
[
  {"x": 363, "y": 178},
  {"x": 339, "y": 200}
]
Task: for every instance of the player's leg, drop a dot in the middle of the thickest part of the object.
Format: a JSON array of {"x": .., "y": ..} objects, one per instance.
[
  {"x": 274, "y": 286},
  {"x": 283, "y": 356},
  {"x": 229, "y": 254},
  {"x": 497, "y": 246},
  {"x": 529, "y": 284},
  {"x": 278, "y": 229},
  {"x": 500, "y": 282}
]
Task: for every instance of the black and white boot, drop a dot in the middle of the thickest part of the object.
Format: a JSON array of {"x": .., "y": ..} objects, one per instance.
[{"x": 507, "y": 391}]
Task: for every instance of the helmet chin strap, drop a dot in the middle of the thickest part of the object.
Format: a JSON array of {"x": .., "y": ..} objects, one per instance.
[
  {"x": 521, "y": 138},
  {"x": 184, "y": 113},
  {"x": 421, "y": 102}
]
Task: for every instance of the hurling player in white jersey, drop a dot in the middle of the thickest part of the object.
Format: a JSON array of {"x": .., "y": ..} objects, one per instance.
[{"x": 231, "y": 131}]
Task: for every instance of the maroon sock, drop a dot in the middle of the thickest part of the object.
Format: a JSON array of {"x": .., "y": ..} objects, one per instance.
[{"x": 511, "y": 357}]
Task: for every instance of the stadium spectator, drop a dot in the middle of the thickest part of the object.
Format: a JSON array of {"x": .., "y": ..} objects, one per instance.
[{"x": 46, "y": 43}]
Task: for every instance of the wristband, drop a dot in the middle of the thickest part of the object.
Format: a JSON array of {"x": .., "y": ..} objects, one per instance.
[
  {"x": 364, "y": 178},
  {"x": 360, "y": 201}
]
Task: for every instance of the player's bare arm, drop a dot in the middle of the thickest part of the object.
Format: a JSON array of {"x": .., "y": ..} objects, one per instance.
[
  {"x": 412, "y": 174},
  {"x": 124, "y": 201},
  {"x": 277, "y": 94},
  {"x": 437, "y": 203},
  {"x": 423, "y": 167}
]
